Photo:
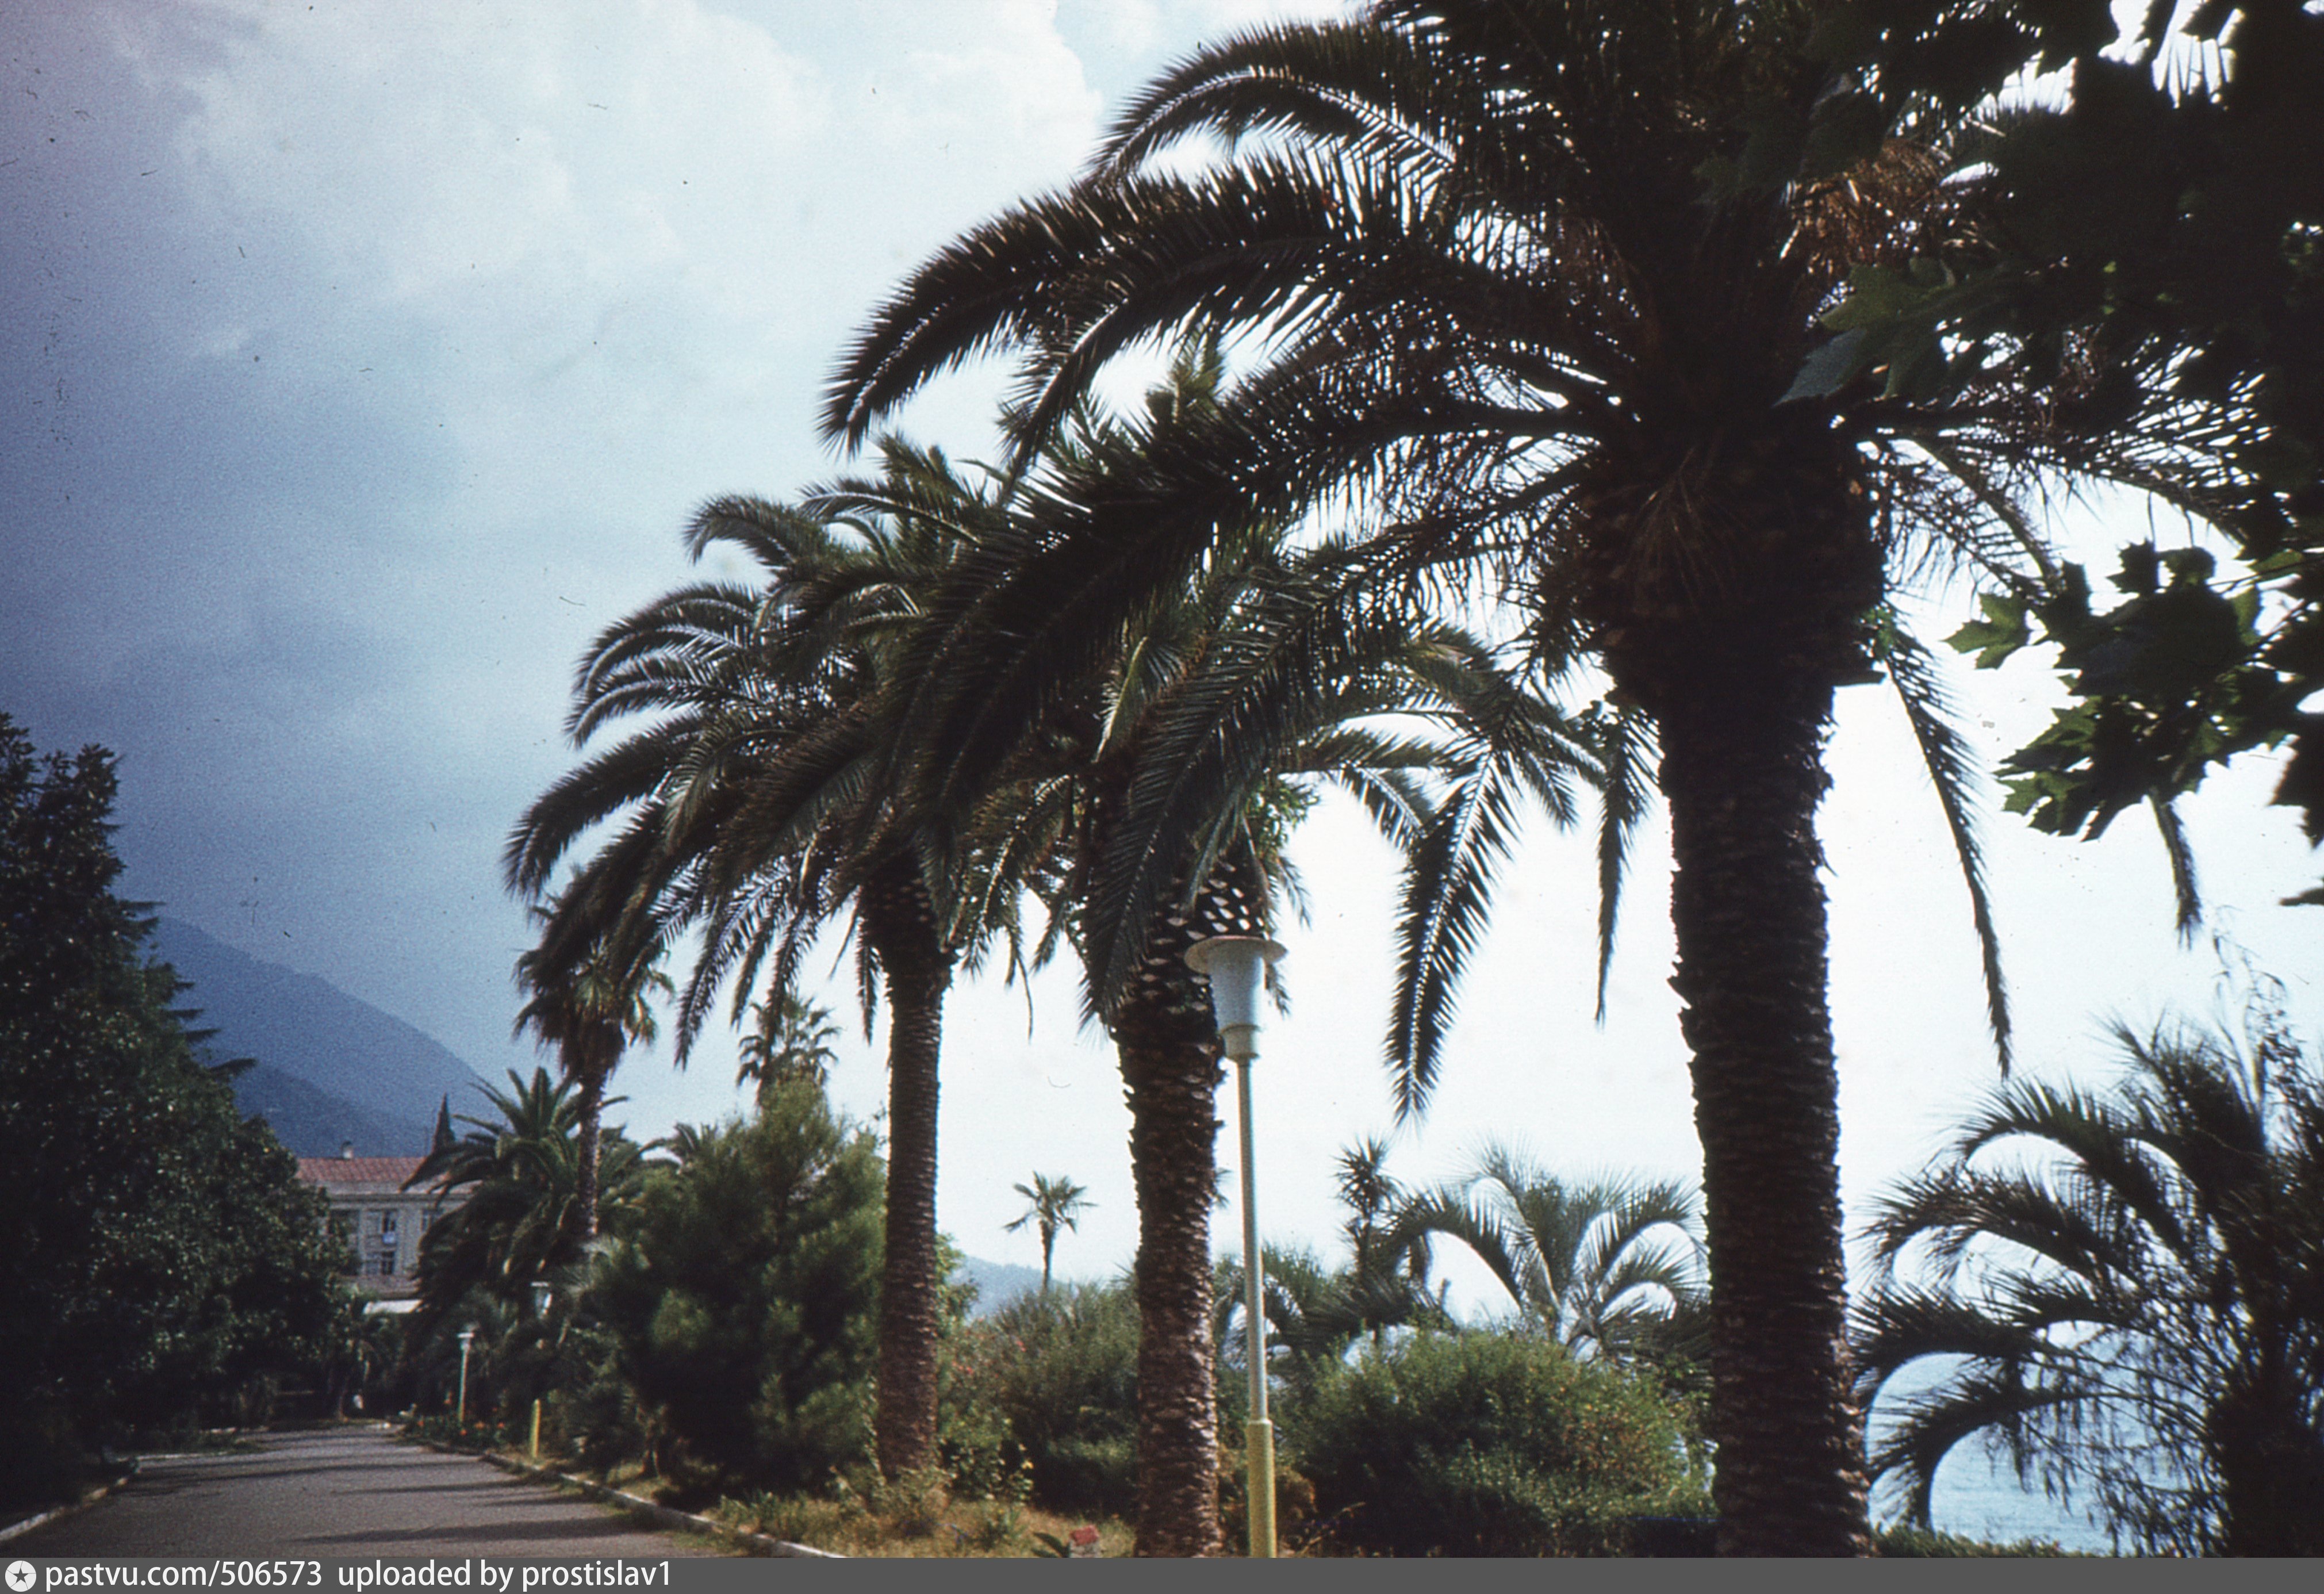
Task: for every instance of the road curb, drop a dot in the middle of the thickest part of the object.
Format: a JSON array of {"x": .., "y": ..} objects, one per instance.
[
  {"x": 74, "y": 1507},
  {"x": 660, "y": 1516}
]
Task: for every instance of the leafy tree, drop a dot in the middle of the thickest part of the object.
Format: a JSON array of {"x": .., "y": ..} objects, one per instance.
[
  {"x": 1060, "y": 1372},
  {"x": 163, "y": 1257},
  {"x": 1488, "y": 1444},
  {"x": 1532, "y": 289},
  {"x": 742, "y": 1306},
  {"x": 2150, "y": 254},
  {"x": 1056, "y": 1204},
  {"x": 1589, "y": 1265},
  {"x": 2127, "y": 1287}
]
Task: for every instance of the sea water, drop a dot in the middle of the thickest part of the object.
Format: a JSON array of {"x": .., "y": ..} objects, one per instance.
[{"x": 1978, "y": 1496}]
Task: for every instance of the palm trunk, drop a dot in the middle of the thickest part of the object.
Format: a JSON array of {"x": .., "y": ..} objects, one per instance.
[
  {"x": 584, "y": 1177},
  {"x": 1743, "y": 773},
  {"x": 1170, "y": 1085},
  {"x": 901, "y": 928},
  {"x": 1170, "y": 1070}
]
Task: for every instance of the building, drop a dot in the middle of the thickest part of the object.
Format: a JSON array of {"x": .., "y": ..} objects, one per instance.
[{"x": 380, "y": 1219}]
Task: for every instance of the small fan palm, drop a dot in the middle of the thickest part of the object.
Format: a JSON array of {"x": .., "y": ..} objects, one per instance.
[
  {"x": 2127, "y": 1290},
  {"x": 1590, "y": 1265}
]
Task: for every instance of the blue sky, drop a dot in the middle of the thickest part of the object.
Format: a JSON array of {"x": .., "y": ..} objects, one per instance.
[{"x": 363, "y": 361}]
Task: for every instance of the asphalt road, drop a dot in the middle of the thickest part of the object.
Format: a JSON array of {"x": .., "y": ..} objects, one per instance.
[{"x": 347, "y": 1492}]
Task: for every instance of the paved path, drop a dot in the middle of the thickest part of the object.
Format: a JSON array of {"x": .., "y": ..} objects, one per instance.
[{"x": 342, "y": 1493}]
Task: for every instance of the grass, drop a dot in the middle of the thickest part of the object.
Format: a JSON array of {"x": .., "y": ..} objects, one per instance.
[{"x": 914, "y": 1517}]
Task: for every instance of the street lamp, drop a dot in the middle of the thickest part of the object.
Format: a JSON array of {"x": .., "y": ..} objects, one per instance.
[
  {"x": 542, "y": 1291},
  {"x": 468, "y": 1338},
  {"x": 1236, "y": 967}
]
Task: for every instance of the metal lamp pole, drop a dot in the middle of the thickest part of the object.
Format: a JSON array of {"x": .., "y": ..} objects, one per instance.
[
  {"x": 468, "y": 1338},
  {"x": 541, "y": 1293},
  {"x": 1236, "y": 966}
]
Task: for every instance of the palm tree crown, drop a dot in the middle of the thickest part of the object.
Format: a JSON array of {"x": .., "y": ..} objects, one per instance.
[
  {"x": 1588, "y": 1264},
  {"x": 2129, "y": 1288},
  {"x": 1055, "y": 1205}
]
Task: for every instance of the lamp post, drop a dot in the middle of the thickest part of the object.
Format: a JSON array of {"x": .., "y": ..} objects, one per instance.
[
  {"x": 468, "y": 1338},
  {"x": 1235, "y": 965},
  {"x": 542, "y": 1291}
]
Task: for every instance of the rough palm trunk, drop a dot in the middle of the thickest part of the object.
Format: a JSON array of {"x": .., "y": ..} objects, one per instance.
[
  {"x": 1736, "y": 648},
  {"x": 1167, "y": 1045},
  {"x": 901, "y": 928},
  {"x": 591, "y": 1116},
  {"x": 1743, "y": 776}
]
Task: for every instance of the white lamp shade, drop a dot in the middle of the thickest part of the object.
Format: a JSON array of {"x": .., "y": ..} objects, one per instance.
[{"x": 1235, "y": 965}]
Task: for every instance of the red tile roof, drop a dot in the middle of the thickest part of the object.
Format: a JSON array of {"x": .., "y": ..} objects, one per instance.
[{"x": 358, "y": 1170}]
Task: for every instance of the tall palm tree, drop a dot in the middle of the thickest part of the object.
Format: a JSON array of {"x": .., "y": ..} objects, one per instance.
[
  {"x": 592, "y": 1009},
  {"x": 1054, "y": 1206},
  {"x": 1534, "y": 289},
  {"x": 2128, "y": 1285},
  {"x": 1147, "y": 804},
  {"x": 753, "y": 817},
  {"x": 1589, "y": 1265}
]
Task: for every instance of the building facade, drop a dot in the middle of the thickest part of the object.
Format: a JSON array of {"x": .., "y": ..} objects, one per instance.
[{"x": 380, "y": 1220}]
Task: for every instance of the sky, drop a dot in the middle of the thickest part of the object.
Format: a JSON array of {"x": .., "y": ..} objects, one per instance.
[{"x": 362, "y": 362}]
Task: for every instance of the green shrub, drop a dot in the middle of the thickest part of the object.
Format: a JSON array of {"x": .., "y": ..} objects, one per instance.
[
  {"x": 741, "y": 1306},
  {"x": 1052, "y": 1378},
  {"x": 1488, "y": 1444}
]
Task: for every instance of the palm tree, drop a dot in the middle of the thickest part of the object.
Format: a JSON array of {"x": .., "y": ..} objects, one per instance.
[
  {"x": 754, "y": 817},
  {"x": 521, "y": 1168},
  {"x": 2129, "y": 1286},
  {"x": 790, "y": 1039},
  {"x": 1147, "y": 804},
  {"x": 1532, "y": 289},
  {"x": 1389, "y": 1273},
  {"x": 1056, "y": 1204},
  {"x": 592, "y": 1009},
  {"x": 1589, "y": 1265}
]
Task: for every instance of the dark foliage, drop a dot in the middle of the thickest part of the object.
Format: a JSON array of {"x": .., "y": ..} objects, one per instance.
[
  {"x": 164, "y": 1265},
  {"x": 2127, "y": 1289},
  {"x": 1055, "y": 1375},
  {"x": 741, "y": 1306},
  {"x": 2153, "y": 255}
]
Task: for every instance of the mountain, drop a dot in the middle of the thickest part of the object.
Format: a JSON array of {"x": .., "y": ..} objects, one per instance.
[
  {"x": 331, "y": 1068},
  {"x": 997, "y": 1282}
]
